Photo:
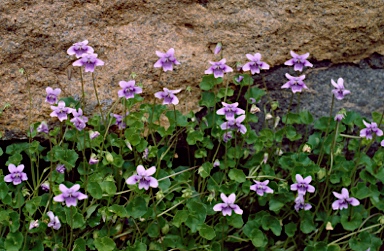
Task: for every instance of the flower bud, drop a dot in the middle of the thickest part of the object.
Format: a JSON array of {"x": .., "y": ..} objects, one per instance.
[
  {"x": 218, "y": 48},
  {"x": 165, "y": 229},
  {"x": 109, "y": 157},
  {"x": 254, "y": 109},
  {"x": 307, "y": 148},
  {"x": 268, "y": 116},
  {"x": 329, "y": 226},
  {"x": 159, "y": 195},
  {"x": 274, "y": 105},
  {"x": 321, "y": 173}
]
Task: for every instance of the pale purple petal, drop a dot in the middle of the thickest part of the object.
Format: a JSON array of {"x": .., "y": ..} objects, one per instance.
[
  {"x": 133, "y": 179},
  {"x": 151, "y": 171},
  {"x": 237, "y": 209}
]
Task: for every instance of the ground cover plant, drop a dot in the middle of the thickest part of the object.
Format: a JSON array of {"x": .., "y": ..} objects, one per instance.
[{"x": 206, "y": 181}]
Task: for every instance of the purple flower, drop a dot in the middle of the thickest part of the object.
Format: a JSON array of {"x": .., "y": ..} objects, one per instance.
[
  {"x": 218, "y": 48},
  {"x": 261, "y": 187},
  {"x": 93, "y": 159},
  {"x": 167, "y": 60},
  {"x": 79, "y": 120},
  {"x": 79, "y": 49},
  {"x": 256, "y": 64},
  {"x": 45, "y": 186},
  {"x": 60, "y": 168},
  {"x": 239, "y": 79},
  {"x": 43, "y": 127},
  {"x": 300, "y": 203},
  {"x": 168, "y": 96},
  {"x": 119, "y": 120},
  {"x": 89, "y": 61},
  {"x": 54, "y": 221},
  {"x": 145, "y": 153},
  {"x": 216, "y": 163},
  {"x": 69, "y": 195},
  {"x": 52, "y": 95},
  {"x": 229, "y": 110},
  {"x": 382, "y": 143},
  {"x": 144, "y": 177},
  {"x": 339, "y": 92},
  {"x": 344, "y": 200},
  {"x": 16, "y": 175},
  {"x": 228, "y": 205},
  {"x": 218, "y": 68},
  {"x": 93, "y": 134},
  {"x": 339, "y": 117},
  {"x": 235, "y": 124},
  {"x": 129, "y": 89},
  {"x": 369, "y": 130},
  {"x": 60, "y": 111},
  {"x": 299, "y": 61},
  {"x": 33, "y": 224},
  {"x": 302, "y": 185},
  {"x": 295, "y": 83},
  {"x": 227, "y": 136}
]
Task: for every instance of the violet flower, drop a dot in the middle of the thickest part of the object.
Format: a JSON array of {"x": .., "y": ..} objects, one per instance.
[
  {"x": 60, "y": 111},
  {"x": 239, "y": 79},
  {"x": 235, "y": 124},
  {"x": 89, "y": 61},
  {"x": 54, "y": 221},
  {"x": 43, "y": 127},
  {"x": 371, "y": 128},
  {"x": 168, "y": 96},
  {"x": 145, "y": 153},
  {"x": 299, "y": 61},
  {"x": 144, "y": 177},
  {"x": 216, "y": 163},
  {"x": 302, "y": 185},
  {"x": 45, "y": 186},
  {"x": 227, "y": 136},
  {"x": 52, "y": 95},
  {"x": 93, "y": 159},
  {"x": 60, "y": 168},
  {"x": 218, "y": 68},
  {"x": 167, "y": 60},
  {"x": 119, "y": 120},
  {"x": 339, "y": 117},
  {"x": 295, "y": 83},
  {"x": 228, "y": 205},
  {"x": 69, "y": 195},
  {"x": 261, "y": 187},
  {"x": 256, "y": 64},
  {"x": 16, "y": 175},
  {"x": 344, "y": 200},
  {"x": 300, "y": 203},
  {"x": 93, "y": 134},
  {"x": 79, "y": 121},
  {"x": 229, "y": 110},
  {"x": 80, "y": 48},
  {"x": 218, "y": 48},
  {"x": 339, "y": 92},
  {"x": 128, "y": 89},
  {"x": 33, "y": 224}
]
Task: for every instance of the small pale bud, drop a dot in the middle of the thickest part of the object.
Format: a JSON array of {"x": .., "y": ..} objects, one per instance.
[
  {"x": 321, "y": 173},
  {"x": 159, "y": 195},
  {"x": 329, "y": 226},
  {"x": 381, "y": 220},
  {"x": 128, "y": 144},
  {"x": 307, "y": 148},
  {"x": 268, "y": 116},
  {"x": 274, "y": 105},
  {"x": 265, "y": 159},
  {"x": 218, "y": 48},
  {"x": 211, "y": 197},
  {"x": 277, "y": 120},
  {"x": 109, "y": 157},
  {"x": 165, "y": 229},
  {"x": 254, "y": 109}
]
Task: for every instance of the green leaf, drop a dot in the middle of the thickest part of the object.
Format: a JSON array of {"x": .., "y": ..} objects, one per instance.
[
  {"x": 108, "y": 187},
  {"x": 65, "y": 156},
  {"x": 3, "y": 190},
  {"x": 235, "y": 220},
  {"x": 119, "y": 210},
  {"x": 258, "y": 238},
  {"x": 237, "y": 175},
  {"x": 361, "y": 242},
  {"x": 221, "y": 93},
  {"x": 290, "y": 229},
  {"x": 132, "y": 136},
  {"x": 180, "y": 217},
  {"x": 32, "y": 205},
  {"x": 14, "y": 241},
  {"x": 209, "y": 81},
  {"x": 137, "y": 207},
  {"x": 254, "y": 92},
  {"x": 181, "y": 120},
  {"x": 351, "y": 223},
  {"x": 79, "y": 245},
  {"x": 153, "y": 230},
  {"x": 104, "y": 244},
  {"x": 270, "y": 222},
  {"x": 306, "y": 117},
  {"x": 205, "y": 169},
  {"x": 207, "y": 232},
  {"x": 139, "y": 246},
  {"x": 307, "y": 225},
  {"x": 94, "y": 190},
  {"x": 74, "y": 219},
  {"x": 208, "y": 99},
  {"x": 194, "y": 136},
  {"x": 361, "y": 191}
]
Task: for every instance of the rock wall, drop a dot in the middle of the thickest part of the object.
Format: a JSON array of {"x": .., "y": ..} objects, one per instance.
[{"x": 35, "y": 35}]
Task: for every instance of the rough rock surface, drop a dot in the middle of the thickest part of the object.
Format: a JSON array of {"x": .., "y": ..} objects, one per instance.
[{"x": 35, "y": 35}]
